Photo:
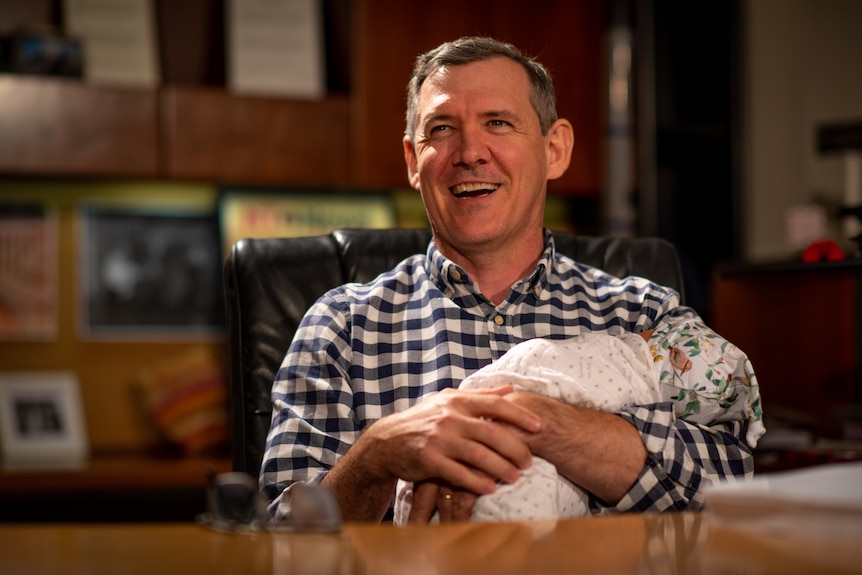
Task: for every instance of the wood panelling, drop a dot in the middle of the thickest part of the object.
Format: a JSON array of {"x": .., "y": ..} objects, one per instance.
[{"x": 565, "y": 35}]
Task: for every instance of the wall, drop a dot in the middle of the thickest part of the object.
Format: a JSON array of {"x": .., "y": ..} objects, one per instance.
[{"x": 804, "y": 59}]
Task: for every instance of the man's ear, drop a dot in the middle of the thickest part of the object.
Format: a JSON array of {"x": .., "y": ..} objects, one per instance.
[
  {"x": 560, "y": 141},
  {"x": 412, "y": 164}
]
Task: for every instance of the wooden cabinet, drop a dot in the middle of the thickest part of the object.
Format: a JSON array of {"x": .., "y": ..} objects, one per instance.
[
  {"x": 65, "y": 128},
  {"x": 801, "y": 326},
  {"x": 210, "y": 135},
  {"x": 62, "y": 127},
  {"x": 117, "y": 488},
  {"x": 69, "y": 128}
]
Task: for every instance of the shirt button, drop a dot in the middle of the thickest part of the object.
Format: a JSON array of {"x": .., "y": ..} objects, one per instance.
[
  {"x": 537, "y": 290},
  {"x": 456, "y": 275},
  {"x": 449, "y": 293},
  {"x": 498, "y": 320}
]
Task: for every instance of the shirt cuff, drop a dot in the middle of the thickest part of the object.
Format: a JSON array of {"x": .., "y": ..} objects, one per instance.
[{"x": 667, "y": 481}]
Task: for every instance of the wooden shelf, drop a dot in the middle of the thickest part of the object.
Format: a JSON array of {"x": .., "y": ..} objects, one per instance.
[
  {"x": 110, "y": 488},
  {"x": 68, "y": 128},
  {"x": 51, "y": 127},
  {"x": 211, "y": 135},
  {"x": 119, "y": 472},
  {"x": 62, "y": 127}
]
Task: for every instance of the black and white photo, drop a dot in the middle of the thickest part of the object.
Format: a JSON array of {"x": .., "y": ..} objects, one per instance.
[{"x": 150, "y": 274}]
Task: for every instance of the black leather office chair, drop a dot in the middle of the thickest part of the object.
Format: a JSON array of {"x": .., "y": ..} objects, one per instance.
[{"x": 270, "y": 283}]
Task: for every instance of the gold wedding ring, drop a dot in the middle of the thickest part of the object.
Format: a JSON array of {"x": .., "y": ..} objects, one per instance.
[{"x": 447, "y": 496}]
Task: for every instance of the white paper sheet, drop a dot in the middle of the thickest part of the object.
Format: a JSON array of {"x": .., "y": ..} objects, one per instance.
[
  {"x": 823, "y": 501},
  {"x": 275, "y": 47}
]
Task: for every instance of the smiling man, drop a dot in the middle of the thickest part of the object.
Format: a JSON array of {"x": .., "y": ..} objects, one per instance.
[
  {"x": 355, "y": 406},
  {"x": 481, "y": 159}
]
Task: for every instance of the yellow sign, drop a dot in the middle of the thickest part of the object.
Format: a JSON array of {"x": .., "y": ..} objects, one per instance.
[{"x": 294, "y": 215}]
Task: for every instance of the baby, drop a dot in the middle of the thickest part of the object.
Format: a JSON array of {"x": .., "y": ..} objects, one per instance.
[{"x": 707, "y": 378}]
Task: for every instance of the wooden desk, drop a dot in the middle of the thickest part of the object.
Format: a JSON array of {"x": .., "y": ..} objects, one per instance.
[{"x": 667, "y": 543}]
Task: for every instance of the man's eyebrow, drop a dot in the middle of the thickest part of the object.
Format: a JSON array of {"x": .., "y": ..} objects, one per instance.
[
  {"x": 490, "y": 115},
  {"x": 435, "y": 118},
  {"x": 501, "y": 115}
]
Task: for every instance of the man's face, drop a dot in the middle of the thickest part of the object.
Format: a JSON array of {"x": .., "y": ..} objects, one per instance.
[{"x": 479, "y": 160}]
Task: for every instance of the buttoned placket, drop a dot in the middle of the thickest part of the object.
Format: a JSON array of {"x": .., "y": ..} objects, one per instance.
[{"x": 498, "y": 320}]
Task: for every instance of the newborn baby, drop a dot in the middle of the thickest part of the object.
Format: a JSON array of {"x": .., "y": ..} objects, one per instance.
[{"x": 707, "y": 378}]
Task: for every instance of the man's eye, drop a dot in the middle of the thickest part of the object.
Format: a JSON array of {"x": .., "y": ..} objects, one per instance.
[
  {"x": 498, "y": 123},
  {"x": 438, "y": 129}
]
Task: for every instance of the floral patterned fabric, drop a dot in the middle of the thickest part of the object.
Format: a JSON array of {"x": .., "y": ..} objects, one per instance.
[{"x": 708, "y": 378}]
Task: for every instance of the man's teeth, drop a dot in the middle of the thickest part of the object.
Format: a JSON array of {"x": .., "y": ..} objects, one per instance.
[{"x": 474, "y": 190}]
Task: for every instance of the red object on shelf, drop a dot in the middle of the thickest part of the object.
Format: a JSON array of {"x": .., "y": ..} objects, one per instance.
[{"x": 822, "y": 251}]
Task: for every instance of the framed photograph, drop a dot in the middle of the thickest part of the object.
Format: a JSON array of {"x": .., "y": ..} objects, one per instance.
[
  {"x": 41, "y": 419},
  {"x": 28, "y": 271},
  {"x": 150, "y": 274}
]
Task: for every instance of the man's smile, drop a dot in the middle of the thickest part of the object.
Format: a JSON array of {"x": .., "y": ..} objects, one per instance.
[{"x": 473, "y": 190}]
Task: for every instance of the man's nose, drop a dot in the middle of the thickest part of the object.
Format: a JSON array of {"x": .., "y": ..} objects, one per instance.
[{"x": 472, "y": 149}]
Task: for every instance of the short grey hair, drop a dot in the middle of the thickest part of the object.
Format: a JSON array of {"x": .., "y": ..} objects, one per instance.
[{"x": 471, "y": 49}]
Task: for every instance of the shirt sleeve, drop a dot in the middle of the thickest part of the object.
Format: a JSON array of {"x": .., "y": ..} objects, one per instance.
[
  {"x": 313, "y": 420},
  {"x": 682, "y": 459}
]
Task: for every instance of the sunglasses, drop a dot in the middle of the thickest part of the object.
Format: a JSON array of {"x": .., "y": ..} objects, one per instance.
[{"x": 235, "y": 503}]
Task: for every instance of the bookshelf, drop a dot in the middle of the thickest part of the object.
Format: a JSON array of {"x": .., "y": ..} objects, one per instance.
[{"x": 191, "y": 127}]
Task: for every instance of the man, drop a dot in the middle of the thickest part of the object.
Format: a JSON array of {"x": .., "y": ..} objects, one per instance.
[{"x": 482, "y": 140}]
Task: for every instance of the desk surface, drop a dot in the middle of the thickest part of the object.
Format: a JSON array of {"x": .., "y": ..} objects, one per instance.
[{"x": 667, "y": 543}]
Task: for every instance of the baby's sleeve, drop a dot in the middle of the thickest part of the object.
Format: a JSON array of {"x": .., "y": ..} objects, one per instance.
[{"x": 708, "y": 379}]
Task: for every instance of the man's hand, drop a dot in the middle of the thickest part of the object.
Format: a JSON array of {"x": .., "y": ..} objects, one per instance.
[
  {"x": 600, "y": 452},
  {"x": 454, "y": 436},
  {"x": 450, "y": 504},
  {"x": 468, "y": 439}
]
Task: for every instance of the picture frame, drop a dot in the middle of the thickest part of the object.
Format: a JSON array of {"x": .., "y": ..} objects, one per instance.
[
  {"x": 250, "y": 213},
  {"x": 42, "y": 420},
  {"x": 29, "y": 242},
  {"x": 150, "y": 274}
]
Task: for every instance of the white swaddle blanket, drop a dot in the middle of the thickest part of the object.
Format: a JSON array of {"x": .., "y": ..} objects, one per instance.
[{"x": 706, "y": 377}]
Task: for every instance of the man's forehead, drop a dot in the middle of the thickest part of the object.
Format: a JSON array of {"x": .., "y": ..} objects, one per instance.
[
  {"x": 480, "y": 71},
  {"x": 496, "y": 83}
]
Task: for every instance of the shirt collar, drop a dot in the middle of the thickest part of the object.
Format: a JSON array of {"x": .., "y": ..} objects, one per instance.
[{"x": 453, "y": 281}]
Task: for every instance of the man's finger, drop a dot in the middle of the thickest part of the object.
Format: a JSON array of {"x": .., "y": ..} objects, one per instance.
[{"x": 424, "y": 502}]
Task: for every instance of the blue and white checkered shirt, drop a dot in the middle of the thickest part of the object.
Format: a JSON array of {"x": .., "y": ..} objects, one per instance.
[{"x": 365, "y": 351}]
